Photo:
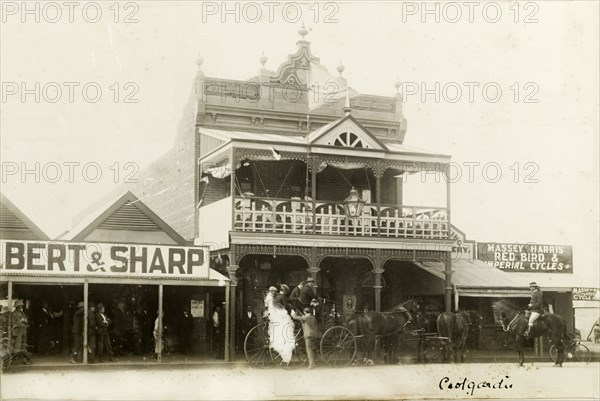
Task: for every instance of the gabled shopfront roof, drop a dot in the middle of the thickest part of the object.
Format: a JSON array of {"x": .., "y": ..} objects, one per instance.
[
  {"x": 122, "y": 217},
  {"x": 478, "y": 279},
  {"x": 14, "y": 224}
]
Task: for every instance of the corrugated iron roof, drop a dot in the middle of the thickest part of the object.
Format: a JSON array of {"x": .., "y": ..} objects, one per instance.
[{"x": 477, "y": 274}]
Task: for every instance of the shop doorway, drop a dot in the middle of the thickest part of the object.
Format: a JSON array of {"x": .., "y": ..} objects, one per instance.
[{"x": 49, "y": 310}]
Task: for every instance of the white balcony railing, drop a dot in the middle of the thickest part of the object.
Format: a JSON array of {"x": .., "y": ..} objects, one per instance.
[{"x": 297, "y": 216}]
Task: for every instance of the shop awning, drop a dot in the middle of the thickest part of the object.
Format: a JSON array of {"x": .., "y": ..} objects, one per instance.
[{"x": 478, "y": 279}]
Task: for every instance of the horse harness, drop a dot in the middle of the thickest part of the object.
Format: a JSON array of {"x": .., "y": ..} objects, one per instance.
[
  {"x": 408, "y": 321},
  {"x": 507, "y": 328}
]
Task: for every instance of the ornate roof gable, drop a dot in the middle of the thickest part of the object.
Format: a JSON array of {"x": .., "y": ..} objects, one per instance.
[{"x": 346, "y": 132}]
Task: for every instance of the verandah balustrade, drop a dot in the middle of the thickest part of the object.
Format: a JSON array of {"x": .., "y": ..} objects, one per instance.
[{"x": 296, "y": 216}]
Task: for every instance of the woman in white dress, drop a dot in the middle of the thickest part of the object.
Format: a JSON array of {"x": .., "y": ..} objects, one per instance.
[{"x": 281, "y": 327}]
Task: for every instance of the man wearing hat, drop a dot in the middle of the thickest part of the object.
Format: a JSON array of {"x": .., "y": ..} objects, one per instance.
[
  {"x": 536, "y": 306},
  {"x": 19, "y": 326},
  {"x": 77, "y": 334},
  {"x": 307, "y": 293},
  {"x": 102, "y": 334}
]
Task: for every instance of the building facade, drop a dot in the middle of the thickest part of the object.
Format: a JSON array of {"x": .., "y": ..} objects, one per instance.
[{"x": 293, "y": 174}]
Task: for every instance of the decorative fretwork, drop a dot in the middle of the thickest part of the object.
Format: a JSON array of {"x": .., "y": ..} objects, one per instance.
[
  {"x": 242, "y": 250},
  {"x": 365, "y": 253},
  {"x": 412, "y": 166},
  {"x": 266, "y": 154}
]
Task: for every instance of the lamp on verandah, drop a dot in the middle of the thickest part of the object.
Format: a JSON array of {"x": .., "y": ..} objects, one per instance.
[{"x": 353, "y": 204}]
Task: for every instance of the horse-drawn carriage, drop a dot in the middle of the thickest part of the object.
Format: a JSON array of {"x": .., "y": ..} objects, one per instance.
[
  {"x": 337, "y": 345},
  {"x": 355, "y": 340}
]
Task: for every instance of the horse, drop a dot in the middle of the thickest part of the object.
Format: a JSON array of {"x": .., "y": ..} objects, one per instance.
[
  {"x": 454, "y": 326},
  {"x": 474, "y": 322},
  {"x": 368, "y": 326},
  {"x": 513, "y": 320}
]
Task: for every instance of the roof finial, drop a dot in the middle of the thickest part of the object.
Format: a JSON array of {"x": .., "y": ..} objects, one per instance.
[
  {"x": 303, "y": 31},
  {"x": 340, "y": 68},
  {"x": 263, "y": 59}
]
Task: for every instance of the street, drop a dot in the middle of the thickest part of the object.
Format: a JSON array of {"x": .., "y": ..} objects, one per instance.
[{"x": 240, "y": 382}]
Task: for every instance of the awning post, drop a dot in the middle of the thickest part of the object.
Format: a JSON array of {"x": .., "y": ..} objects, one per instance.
[
  {"x": 159, "y": 340},
  {"x": 10, "y": 311},
  {"x": 85, "y": 322},
  {"x": 456, "y": 298}
]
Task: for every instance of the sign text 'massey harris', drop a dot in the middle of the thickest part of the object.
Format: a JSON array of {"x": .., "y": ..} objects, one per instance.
[
  {"x": 531, "y": 258},
  {"x": 102, "y": 259}
]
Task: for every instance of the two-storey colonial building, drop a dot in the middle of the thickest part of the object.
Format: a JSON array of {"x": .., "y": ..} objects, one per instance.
[{"x": 293, "y": 174}]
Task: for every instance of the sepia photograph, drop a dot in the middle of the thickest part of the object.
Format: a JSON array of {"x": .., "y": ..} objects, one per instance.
[{"x": 299, "y": 200}]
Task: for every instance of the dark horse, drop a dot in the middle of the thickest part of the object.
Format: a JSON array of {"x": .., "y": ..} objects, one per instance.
[
  {"x": 474, "y": 322},
  {"x": 454, "y": 326},
  {"x": 387, "y": 326},
  {"x": 513, "y": 320}
]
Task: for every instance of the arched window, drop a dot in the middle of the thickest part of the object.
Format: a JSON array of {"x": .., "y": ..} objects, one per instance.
[{"x": 349, "y": 140}]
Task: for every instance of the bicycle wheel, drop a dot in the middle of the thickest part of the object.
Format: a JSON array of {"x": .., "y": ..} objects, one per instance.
[
  {"x": 582, "y": 353},
  {"x": 256, "y": 346},
  {"x": 568, "y": 353}
]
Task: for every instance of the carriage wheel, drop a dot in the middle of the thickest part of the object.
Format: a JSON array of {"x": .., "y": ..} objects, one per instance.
[
  {"x": 256, "y": 346},
  {"x": 338, "y": 346},
  {"x": 299, "y": 357}
]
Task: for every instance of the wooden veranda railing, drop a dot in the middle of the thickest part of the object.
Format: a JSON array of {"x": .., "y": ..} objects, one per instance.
[{"x": 290, "y": 216}]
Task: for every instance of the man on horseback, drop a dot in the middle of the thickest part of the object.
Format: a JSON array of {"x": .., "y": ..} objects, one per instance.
[{"x": 536, "y": 306}]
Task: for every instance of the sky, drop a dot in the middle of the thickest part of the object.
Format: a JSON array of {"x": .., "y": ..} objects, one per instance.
[{"x": 508, "y": 89}]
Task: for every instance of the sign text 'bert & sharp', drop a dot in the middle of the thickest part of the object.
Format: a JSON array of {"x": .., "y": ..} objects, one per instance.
[{"x": 103, "y": 259}]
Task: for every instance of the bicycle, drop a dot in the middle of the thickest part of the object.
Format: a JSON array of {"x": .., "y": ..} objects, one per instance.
[
  {"x": 573, "y": 350},
  {"x": 259, "y": 353}
]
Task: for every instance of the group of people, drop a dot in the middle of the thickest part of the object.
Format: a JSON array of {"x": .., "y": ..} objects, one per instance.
[
  {"x": 18, "y": 323},
  {"x": 283, "y": 305},
  {"x": 107, "y": 336},
  {"x": 98, "y": 335}
]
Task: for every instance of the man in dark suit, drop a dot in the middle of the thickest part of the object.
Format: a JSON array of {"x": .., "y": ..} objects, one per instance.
[
  {"x": 307, "y": 293},
  {"x": 247, "y": 323},
  {"x": 186, "y": 332},
  {"x": 294, "y": 299},
  {"x": 77, "y": 332},
  {"x": 102, "y": 334}
]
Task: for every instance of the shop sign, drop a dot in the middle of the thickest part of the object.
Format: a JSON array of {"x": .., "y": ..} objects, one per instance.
[
  {"x": 586, "y": 294},
  {"x": 57, "y": 259},
  {"x": 461, "y": 248},
  {"x": 529, "y": 258},
  {"x": 197, "y": 307}
]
